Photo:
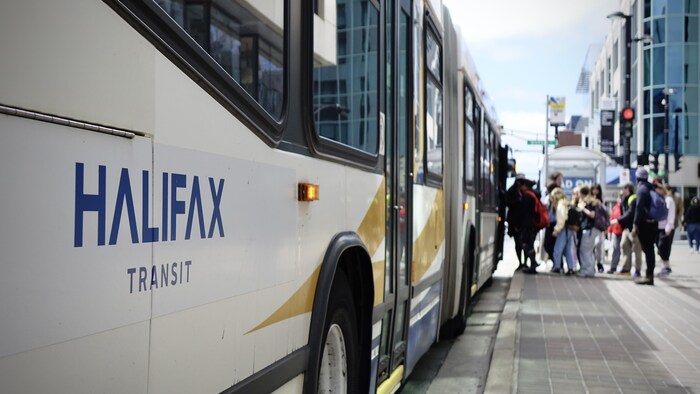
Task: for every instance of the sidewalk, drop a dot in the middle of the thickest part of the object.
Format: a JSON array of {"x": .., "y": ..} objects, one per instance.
[{"x": 600, "y": 335}]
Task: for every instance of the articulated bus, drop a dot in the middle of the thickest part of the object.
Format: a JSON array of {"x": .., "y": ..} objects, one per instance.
[{"x": 204, "y": 196}]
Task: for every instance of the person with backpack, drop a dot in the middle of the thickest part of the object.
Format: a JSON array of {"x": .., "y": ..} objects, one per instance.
[
  {"x": 630, "y": 242},
  {"x": 568, "y": 221},
  {"x": 615, "y": 231},
  {"x": 525, "y": 218},
  {"x": 589, "y": 232},
  {"x": 644, "y": 225},
  {"x": 666, "y": 227}
]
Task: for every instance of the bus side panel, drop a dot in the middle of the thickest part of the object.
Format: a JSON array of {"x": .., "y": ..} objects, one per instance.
[
  {"x": 65, "y": 290},
  {"x": 56, "y": 60}
]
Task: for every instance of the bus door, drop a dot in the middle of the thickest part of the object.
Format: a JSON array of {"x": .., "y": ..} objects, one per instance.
[{"x": 392, "y": 350}]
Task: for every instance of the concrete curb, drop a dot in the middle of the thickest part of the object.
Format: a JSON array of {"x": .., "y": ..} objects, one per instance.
[{"x": 502, "y": 376}]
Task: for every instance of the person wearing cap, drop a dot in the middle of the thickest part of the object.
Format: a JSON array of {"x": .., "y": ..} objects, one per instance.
[{"x": 643, "y": 226}]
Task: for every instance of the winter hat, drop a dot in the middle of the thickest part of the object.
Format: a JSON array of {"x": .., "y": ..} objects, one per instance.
[{"x": 642, "y": 173}]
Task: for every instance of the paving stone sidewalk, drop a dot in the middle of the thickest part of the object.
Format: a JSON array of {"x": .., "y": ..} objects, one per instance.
[{"x": 601, "y": 335}]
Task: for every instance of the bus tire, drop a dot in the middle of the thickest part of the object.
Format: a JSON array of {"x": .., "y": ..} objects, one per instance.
[{"x": 340, "y": 364}]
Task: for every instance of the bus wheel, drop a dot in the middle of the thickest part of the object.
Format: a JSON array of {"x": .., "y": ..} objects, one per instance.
[{"x": 339, "y": 367}]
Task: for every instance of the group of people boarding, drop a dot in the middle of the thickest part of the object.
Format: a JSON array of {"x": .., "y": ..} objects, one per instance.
[{"x": 643, "y": 217}]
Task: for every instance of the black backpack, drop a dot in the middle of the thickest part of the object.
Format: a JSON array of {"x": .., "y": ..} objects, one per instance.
[{"x": 573, "y": 217}]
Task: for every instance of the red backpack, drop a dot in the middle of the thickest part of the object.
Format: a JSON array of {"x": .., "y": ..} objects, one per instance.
[{"x": 541, "y": 215}]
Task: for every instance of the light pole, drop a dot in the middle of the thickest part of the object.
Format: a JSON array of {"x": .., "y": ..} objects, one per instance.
[
  {"x": 627, "y": 133},
  {"x": 667, "y": 92}
]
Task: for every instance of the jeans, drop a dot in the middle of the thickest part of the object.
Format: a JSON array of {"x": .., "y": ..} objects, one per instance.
[
  {"x": 564, "y": 247},
  {"x": 694, "y": 234},
  {"x": 587, "y": 251},
  {"x": 616, "y": 238}
]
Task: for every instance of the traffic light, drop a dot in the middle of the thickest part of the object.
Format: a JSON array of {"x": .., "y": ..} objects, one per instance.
[
  {"x": 677, "y": 161},
  {"x": 627, "y": 114}
]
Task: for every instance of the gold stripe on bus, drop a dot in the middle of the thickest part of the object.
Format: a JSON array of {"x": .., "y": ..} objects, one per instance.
[
  {"x": 371, "y": 231},
  {"x": 427, "y": 245}
]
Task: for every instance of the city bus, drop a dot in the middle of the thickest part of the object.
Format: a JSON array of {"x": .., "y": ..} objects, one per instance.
[{"x": 236, "y": 196}]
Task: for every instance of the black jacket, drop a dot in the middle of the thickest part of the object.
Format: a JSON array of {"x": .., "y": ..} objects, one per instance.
[
  {"x": 628, "y": 209},
  {"x": 692, "y": 214},
  {"x": 641, "y": 213}
]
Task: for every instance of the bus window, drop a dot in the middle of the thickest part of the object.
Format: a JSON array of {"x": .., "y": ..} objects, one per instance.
[
  {"x": 468, "y": 136},
  {"x": 346, "y": 93},
  {"x": 433, "y": 106},
  {"x": 244, "y": 38}
]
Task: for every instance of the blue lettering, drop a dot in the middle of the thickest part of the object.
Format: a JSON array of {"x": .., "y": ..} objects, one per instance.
[
  {"x": 188, "y": 263},
  {"x": 124, "y": 194},
  {"x": 131, "y": 272},
  {"x": 165, "y": 207},
  {"x": 154, "y": 277},
  {"x": 179, "y": 181},
  {"x": 143, "y": 273},
  {"x": 163, "y": 275},
  {"x": 174, "y": 272},
  {"x": 216, "y": 215},
  {"x": 195, "y": 202},
  {"x": 89, "y": 203},
  {"x": 150, "y": 234}
]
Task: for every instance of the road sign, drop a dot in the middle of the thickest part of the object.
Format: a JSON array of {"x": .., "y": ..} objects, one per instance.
[{"x": 540, "y": 142}]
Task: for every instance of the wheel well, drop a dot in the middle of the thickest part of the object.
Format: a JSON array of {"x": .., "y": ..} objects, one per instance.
[
  {"x": 356, "y": 264},
  {"x": 348, "y": 254}
]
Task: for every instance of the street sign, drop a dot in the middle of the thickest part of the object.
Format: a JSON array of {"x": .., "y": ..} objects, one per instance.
[{"x": 541, "y": 142}]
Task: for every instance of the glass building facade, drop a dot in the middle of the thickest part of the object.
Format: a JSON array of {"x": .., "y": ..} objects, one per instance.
[{"x": 669, "y": 94}]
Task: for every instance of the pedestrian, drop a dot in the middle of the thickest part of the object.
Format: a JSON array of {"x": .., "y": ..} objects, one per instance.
[
  {"x": 599, "y": 249},
  {"x": 629, "y": 245},
  {"x": 552, "y": 220},
  {"x": 513, "y": 196},
  {"x": 615, "y": 231},
  {"x": 575, "y": 199},
  {"x": 666, "y": 228},
  {"x": 564, "y": 231},
  {"x": 587, "y": 205},
  {"x": 644, "y": 226},
  {"x": 525, "y": 224},
  {"x": 691, "y": 220}
]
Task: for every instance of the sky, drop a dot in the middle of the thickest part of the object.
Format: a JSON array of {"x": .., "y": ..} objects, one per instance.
[{"x": 525, "y": 50}]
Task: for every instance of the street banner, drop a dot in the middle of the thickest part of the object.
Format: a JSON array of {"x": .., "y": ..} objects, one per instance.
[
  {"x": 607, "y": 132},
  {"x": 557, "y": 111}
]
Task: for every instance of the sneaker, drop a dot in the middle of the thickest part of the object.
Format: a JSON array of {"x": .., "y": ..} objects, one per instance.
[
  {"x": 665, "y": 271},
  {"x": 646, "y": 281},
  {"x": 637, "y": 274},
  {"x": 556, "y": 270},
  {"x": 600, "y": 268},
  {"x": 624, "y": 273},
  {"x": 570, "y": 273},
  {"x": 611, "y": 271}
]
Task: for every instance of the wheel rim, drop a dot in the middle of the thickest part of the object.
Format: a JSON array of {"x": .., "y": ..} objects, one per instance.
[{"x": 333, "y": 374}]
